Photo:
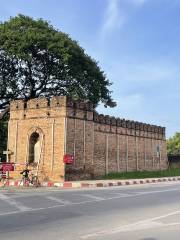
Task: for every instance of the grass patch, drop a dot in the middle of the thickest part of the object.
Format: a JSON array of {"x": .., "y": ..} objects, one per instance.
[{"x": 171, "y": 172}]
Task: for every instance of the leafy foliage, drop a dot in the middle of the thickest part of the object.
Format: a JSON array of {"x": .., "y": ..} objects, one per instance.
[
  {"x": 38, "y": 60},
  {"x": 173, "y": 144}
]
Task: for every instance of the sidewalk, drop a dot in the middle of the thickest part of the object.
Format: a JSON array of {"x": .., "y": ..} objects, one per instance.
[{"x": 95, "y": 183}]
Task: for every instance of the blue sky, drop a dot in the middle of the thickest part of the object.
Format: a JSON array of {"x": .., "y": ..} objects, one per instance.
[{"x": 136, "y": 43}]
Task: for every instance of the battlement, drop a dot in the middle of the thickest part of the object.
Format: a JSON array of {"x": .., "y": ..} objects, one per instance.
[
  {"x": 56, "y": 101},
  {"x": 106, "y": 119},
  {"x": 37, "y": 103},
  {"x": 80, "y": 109}
]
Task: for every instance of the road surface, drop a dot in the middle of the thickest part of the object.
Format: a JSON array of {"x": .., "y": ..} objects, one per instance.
[{"x": 140, "y": 212}]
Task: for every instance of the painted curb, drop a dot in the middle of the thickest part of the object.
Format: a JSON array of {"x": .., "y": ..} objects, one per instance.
[{"x": 92, "y": 184}]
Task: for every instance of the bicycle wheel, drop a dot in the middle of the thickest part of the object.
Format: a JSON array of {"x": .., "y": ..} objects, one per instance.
[
  {"x": 36, "y": 182},
  {"x": 26, "y": 182}
]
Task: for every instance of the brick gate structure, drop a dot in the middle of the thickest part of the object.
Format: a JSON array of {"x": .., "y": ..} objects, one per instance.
[{"x": 41, "y": 132}]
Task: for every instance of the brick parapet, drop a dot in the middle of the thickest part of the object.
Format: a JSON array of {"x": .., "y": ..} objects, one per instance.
[
  {"x": 37, "y": 103},
  {"x": 41, "y": 107},
  {"x": 85, "y": 111},
  {"x": 111, "y": 124},
  {"x": 128, "y": 127}
]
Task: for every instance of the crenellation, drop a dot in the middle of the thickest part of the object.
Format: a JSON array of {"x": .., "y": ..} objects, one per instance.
[
  {"x": 90, "y": 106},
  {"x": 137, "y": 125},
  {"x": 161, "y": 130},
  {"x": 42, "y": 102},
  {"x": 81, "y": 105},
  {"x": 96, "y": 117},
  {"x": 17, "y": 105},
  {"x": 128, "y": 124},
  {"x": 55, "y": 101},
  {"x": 152, "y": 128},
  {"x": 107, "y": 119},
  {"x": 118, "y": 121},
  {"x": 32, "y": 103},
  {"x": 156, "y": 129},
  {"x": 70, "y": 103},
  {"x": 13, "y": 105},
  {"x": 148, "y": 128},
  {"x": 37, "y": 103},
  {"x": 101, "y": 118},
  {"x": 20, "y": 104},
  {"x": 123, "y": 123},
  {"x": 85, "y": 110},
  {"x": 141, "y": 126},
  {"x": 77, "y": 104},
  {"x": 113, "y": 121},
  {"x": 145, "y": 127},
  {"x": 133, "y": 124}
]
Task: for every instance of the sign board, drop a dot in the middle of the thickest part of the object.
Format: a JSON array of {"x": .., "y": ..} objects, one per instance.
[
  {"x": 68, "y": 159},
  {"x": 7, "y": 152},
  {"x": 6, "y": 167}
]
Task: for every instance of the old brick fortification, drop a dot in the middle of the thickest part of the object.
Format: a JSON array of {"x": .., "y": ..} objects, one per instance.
[{"x": 41, "y": 132}]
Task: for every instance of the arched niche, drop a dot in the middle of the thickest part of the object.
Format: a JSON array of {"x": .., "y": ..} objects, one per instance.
[{"x": 34, "y": 146}]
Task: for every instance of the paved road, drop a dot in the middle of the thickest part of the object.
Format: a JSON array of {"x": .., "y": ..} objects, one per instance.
[{"x": 143, "y": 212}]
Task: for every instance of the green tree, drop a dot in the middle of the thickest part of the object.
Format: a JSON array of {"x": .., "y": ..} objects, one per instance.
[
  {"x": 38, "y": 60},
  {"x": 173, "y": 144}
]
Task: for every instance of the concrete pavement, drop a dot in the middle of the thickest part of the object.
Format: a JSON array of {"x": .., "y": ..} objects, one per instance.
[{"x": 140, "y": 212}]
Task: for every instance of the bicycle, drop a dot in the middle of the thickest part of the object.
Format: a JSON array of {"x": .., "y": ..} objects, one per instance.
[
  {"x": 35, "y": 181},
  {"x": 25, "y": 181}
]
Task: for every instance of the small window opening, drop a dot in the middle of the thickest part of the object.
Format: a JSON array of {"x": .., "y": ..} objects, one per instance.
[{"x": 34, "y": 148}]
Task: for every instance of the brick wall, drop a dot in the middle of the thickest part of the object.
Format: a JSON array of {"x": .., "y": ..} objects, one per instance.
[
  {"x": 100, "y": 144},
  {"x": 103, "y": 144}
]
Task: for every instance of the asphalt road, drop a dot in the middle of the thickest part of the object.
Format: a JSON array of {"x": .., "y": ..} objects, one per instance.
[{"x": 143, "y": 212}]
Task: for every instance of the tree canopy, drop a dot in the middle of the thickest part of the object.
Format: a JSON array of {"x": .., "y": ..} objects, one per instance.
[
  {"x": 38, "y": 60},
  {"x": 173, "y": 144}
]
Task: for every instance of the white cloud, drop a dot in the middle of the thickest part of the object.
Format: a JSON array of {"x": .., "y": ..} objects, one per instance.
[
  {"x": 113, "y": 17},
  {"x": 117, "y": 13}
]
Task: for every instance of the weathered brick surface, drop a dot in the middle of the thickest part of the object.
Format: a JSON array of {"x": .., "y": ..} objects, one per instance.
[
  {"x": 99, "y": 160},
  {"x": 100, "y": 144},
  {"x": 49, "y": 122},
  {"x": 112, "y": 153},
  {"x": 122, "y": 153},
  {"x": 117, "y": 144}
]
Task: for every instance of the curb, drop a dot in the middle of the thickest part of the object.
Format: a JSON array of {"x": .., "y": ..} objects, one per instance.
[{"x": 93, "y": 183}]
